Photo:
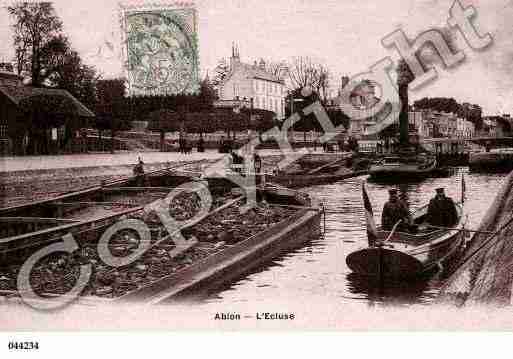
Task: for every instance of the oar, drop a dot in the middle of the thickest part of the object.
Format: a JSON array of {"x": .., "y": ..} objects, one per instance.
[{"x": 392, "y": 231}]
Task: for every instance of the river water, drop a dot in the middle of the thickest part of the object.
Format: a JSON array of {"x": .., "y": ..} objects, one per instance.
[{"x": 319, "y": 269}]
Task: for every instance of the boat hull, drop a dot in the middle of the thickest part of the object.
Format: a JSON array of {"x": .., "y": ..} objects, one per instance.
[
  {"x": 375, "y": 261},
  {"x": 398, "y": 172},
  {"x": 409, "y": 255},
  {"x": 394, "y": 263},
  {"x": 302, "y": 180}
]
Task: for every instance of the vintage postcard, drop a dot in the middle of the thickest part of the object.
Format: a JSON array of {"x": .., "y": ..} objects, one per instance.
[{"x": 286, "y": 165}]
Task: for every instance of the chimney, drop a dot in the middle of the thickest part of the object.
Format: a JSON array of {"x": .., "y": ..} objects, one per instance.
[
  {"x": 344, "y": 82},
  {"x": 235, "y": 59}
]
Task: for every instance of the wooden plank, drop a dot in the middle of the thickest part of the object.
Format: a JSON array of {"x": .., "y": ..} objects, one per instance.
[
  {"x": 138, "y": 189},
  {"x": 36, "y": 220},
  {"x": 95, "y": 204}
]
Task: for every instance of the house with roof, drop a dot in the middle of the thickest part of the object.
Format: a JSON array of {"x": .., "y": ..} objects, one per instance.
[
  {"x": 253, "y": 84},
  {"x": 37, "y": 120}
]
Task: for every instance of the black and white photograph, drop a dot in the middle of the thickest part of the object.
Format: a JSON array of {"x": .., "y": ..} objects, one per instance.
[{"x": 254, "y": 165}]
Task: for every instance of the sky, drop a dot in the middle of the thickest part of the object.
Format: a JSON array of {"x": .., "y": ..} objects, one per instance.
[{"x": 344, "y": 34}]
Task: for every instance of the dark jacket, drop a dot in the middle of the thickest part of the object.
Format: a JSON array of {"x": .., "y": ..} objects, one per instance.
[
  {"x": 138, "y": 169},
  {"x": 393, "y": 211},
  {"x": 442, "y": 212}
]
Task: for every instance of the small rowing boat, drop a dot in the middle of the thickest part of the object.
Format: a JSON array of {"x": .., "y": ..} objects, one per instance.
[{"x": 404, "y": 255}]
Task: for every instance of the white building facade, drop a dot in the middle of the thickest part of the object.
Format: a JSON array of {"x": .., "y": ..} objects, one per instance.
[
  {"x": 464, "y": 128},
  {"x": 252, "y": 82}
]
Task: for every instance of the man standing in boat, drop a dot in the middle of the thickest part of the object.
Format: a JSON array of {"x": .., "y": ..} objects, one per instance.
[
  {"x": 442, "y": 210},
  {"x": 139, "y": 172},
  {"x": 393, "y": 211}
]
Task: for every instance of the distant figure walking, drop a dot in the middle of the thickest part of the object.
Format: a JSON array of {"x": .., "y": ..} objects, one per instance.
[
  {"x": 257, "y": 162},
  {"x": 181, "y": 144},
  {"x": 201, "y": 145},
  {"x": 442, "y": 210}
]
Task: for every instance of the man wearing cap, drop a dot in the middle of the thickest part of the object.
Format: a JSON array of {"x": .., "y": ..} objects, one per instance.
[
  {"x": 442, "y": 210},
  {"x": 393, "y": 211}
]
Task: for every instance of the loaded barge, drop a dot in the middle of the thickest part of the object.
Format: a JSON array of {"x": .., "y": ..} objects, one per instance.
[
  {"x": 317, "y": 169},
  {"x": 218, "y": 245}
]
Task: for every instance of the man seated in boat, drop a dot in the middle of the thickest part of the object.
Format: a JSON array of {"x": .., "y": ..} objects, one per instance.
[
  {"x": 442, "y": 210},
  {"x": 393, "y": 211}
]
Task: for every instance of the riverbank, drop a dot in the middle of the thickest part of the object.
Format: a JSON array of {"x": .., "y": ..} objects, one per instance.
[
  {"x": 26, "y": 179},
  {"x": 44, "y": 177},
  {"x": 485, "y": 274}
]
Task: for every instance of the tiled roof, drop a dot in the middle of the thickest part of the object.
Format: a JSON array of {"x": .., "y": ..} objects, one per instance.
[{"x": 16, "y": 93}]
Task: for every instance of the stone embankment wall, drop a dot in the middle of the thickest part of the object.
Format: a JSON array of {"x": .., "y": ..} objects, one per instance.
[{"x": 487, "y": 276}]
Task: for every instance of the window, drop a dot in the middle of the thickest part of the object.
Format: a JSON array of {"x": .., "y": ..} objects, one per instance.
[{"x": 3, "y": 131}]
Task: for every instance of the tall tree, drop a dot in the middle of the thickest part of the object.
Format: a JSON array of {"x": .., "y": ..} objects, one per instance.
[
  {"x": 76, "y": 77},
  {"x": 110, "y": 90},
  {"x": 278, "y": 69},
  {"x": 303, "y": 71},
  {"x": 43, "y": 52},
  {"x": 207, "y": 94},
  {"x": 323, "y": 83},
  {"x": 36, "y": 26},
  {"x": 112, "y": 108}
]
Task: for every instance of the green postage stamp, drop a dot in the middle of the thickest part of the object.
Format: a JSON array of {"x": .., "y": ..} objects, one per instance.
[{"x": 160, "y": 48}]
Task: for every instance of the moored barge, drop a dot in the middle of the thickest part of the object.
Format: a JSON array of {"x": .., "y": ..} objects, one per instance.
[{"x": 217, "y": 247}]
